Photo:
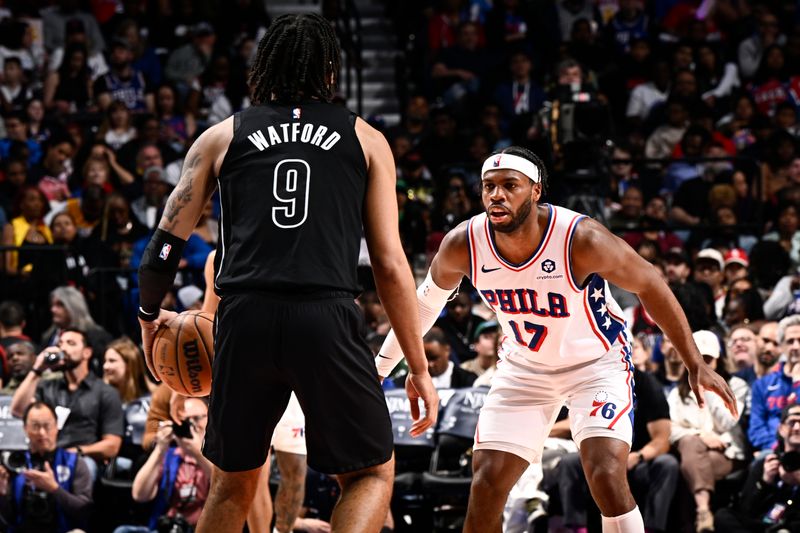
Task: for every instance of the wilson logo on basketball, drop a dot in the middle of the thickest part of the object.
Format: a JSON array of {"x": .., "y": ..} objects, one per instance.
[{"x": 192, "y": 355}]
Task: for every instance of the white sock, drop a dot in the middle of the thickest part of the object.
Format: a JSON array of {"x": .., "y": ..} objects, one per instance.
[{"x": 630, "y": 522}]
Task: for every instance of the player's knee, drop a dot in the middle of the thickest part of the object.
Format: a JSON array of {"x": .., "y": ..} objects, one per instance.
[
  {"x": 485, "y": 480},
  {"x": 608, "y": 475}
]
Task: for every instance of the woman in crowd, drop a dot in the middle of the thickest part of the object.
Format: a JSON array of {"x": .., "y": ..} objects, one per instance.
[
  {"x": 73, "y": 266},
  {"x": 710, "y": 441},
  {"x": 27, "y": 228},
  {"x": 118, "y": 229},
  {"x": 176, "y": 125},
  {"x": 123, "y": 369},
  {"x": 117, "y": 127},
  {"x": 38, "y": 128},
  {"x": 786, "y": 232},
  {"x": 69, "y": 89}
]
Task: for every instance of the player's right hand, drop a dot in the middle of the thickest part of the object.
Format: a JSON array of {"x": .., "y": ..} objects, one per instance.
[
  {"x": 149, "y": 330},
  {"x": 420, "y": 386}
]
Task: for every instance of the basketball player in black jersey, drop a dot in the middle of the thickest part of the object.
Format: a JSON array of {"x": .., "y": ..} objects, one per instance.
[{"x": 298, "y": 178}]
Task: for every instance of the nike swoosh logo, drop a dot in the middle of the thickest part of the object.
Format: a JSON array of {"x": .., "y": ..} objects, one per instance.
[
  {"x": 487, "y": 270},
  {"x": 773, "y": 387},
  {"x": 383, "y": 356}
]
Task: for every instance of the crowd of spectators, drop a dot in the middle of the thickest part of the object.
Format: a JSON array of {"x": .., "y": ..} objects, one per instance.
[{"x": 674, "y": 122}]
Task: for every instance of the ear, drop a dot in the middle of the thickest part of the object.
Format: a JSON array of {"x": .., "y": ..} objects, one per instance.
[{"x": 536, "y": 191}]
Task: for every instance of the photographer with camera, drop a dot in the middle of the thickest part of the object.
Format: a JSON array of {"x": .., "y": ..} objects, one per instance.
[
  {"x": 176, "y": 476},
  {"x": 88, "y": 411},
  {"x": 45, "y": 488},
  {"x": 769, "y": 497}
]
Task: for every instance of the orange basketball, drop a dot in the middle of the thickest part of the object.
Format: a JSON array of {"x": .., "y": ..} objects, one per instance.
[{"x": 183, "y": 352}]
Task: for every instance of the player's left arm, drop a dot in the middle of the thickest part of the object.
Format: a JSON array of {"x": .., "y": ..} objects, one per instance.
[
  {"x": 184, "y": 207},
  {"x": 597, "y": 250}
]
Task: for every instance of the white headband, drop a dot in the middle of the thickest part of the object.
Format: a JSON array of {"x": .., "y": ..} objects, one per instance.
[{"x": 511, "y": 162}]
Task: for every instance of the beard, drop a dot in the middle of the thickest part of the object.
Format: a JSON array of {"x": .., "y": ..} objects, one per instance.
[
  {"x": 516, "y": 219},
  {"x": 768, "y": 360}
]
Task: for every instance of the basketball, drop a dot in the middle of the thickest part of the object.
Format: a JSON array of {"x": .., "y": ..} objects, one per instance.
[{"x": 183, "y": 351}]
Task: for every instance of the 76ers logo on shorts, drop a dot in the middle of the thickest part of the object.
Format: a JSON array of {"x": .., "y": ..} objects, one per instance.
[
  {"x": 165, "y": 251},
  {"x": 601, "y": 404}
]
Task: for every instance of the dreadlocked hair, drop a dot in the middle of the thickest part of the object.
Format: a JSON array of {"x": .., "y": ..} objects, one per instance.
[
  {"x": 295, "y": 60},
  {"x": 530, "y": 156}
]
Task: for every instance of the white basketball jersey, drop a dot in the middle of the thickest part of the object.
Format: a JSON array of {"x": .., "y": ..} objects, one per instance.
[{"x": 546, "y": 316}]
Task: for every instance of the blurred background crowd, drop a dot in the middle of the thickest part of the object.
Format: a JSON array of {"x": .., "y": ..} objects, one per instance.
[{"x": 673, "y": 122}]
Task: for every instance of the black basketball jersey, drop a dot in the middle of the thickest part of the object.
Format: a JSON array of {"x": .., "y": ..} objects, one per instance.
[{"x": 292, "y": 188}]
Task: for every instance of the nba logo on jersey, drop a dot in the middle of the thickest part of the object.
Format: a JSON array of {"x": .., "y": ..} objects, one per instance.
[
  {"x": 165, "y": 251},
  {"x": 296, "y": 113}
]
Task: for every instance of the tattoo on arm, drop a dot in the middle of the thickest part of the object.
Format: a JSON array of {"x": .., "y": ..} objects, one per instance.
[{"x": 183, "y": 192}]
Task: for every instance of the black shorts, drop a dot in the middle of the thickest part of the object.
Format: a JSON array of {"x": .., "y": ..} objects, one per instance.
[{"x": 268, "y": 346}]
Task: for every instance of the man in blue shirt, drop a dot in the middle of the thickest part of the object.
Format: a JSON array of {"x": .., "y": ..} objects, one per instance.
[{"x": 775, "y": 391}]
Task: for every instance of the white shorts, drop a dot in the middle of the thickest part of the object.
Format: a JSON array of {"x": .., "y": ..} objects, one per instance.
[
  {"x": 525, "y": 399},
  {"x": 290, "y": 433}
]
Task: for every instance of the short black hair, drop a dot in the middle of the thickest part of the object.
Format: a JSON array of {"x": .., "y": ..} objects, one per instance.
[
  {"x": 13, "y": 59},
  {"x": 295, "y": 60},
  {"x": 36, "y": 405},
  {"x": 12, "y": 314},
  {"x": 436, "y": 335},
  {"x": 79, "y": 332}
]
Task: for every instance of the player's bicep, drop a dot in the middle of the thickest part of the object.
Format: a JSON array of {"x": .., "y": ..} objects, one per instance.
[
  {"x": 194, "y": 188},
  {"x": 596, "y": 250},
  {"x": 380, "y": 204},
  {"x": 451, "y": 262}
]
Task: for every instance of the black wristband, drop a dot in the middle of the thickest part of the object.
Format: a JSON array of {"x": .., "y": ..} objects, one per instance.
[
  {"x": 38, "y": 371},
  {"x": 157, "y": 271}
]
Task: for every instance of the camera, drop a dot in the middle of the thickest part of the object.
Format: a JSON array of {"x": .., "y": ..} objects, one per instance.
[
  {"x": 53, "y": 359},
  {"x": 790, "y": 461},
  {"x": 36, "y": 503},
  {"x": 13, "y": 461},
  {"x": 173, "y": 524},
  {"x": 183, "y": 430}
]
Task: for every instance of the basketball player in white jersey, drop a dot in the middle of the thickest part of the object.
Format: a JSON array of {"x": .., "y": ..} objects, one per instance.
[{"x": 544, "y": 270}]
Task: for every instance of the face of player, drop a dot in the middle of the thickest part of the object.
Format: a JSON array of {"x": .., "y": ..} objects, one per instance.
[
  {"x": 42, "y": 430},
  {"x": 438, "y": 356},
  {"x": 743, "y": 346},
  {"x": 508, "y": 197}
]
